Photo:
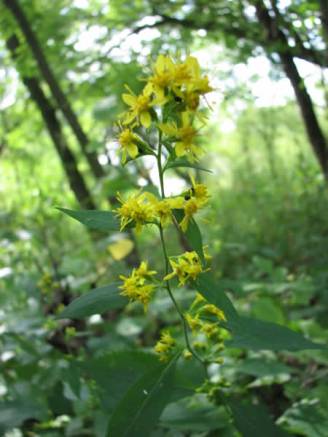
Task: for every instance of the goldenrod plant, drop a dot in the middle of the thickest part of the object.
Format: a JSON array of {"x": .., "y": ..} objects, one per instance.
[{"x": 165, "y": 121}]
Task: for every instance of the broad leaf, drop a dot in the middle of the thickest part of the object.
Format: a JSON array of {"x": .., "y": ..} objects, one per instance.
[
  {"x": 196, "y": 416},
  {"x": 184, "y": 163},
  {"x": 13, "y": 413},
  {"x": 256, "y": 335},
  {"x": 115, "y": 372},
  {"x": 261, "y": 367},
  {"x": 96, "y": 301},
  {"x": 253, "y": 420},
  {"x": 138, "y": 412},
  {"x": 214, "y": 292},
  {"x": 189, "y": 375},
  {"x": 92, "y": 219}
]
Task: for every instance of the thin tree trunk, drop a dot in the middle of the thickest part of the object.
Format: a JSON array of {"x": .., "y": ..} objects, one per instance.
[
  {"x": 313, "y": 129},
  {"x": 49, "y": 116},
  {"x": 324, "y": 19},
  {"x": 49, "y": 77}
]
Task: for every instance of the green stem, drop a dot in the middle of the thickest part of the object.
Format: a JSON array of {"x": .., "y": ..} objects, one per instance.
[
  {"x": 175, "y": 303},
  {"x": 168, "y": 287}
]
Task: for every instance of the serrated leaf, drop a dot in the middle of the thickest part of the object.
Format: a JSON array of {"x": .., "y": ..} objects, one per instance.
[
  {"x": 96, "y": 301},
  {"x": 97, "y": 220},
  {"x": 258, "y": 335},
  {"x": 254, "y": 420},
  {"x": 138, "y": 412},
  {"x": 214, "y": 292},
  {"x": 184, "y": 163}
]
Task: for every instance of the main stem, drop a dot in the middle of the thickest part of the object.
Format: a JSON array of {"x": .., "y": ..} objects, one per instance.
[{"x": 168, "y": 287}]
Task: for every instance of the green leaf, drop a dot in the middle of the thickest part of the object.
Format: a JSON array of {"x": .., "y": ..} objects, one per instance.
[
  {"x": 13, "y": 413},
  {"x": 196, "y": 416},
  {"x": 261, "y": 367},
  {"x": 183, "y": 163},
  {"x": 258, "y": 335},
  {"x": 138, "y": 412},
  {"x": 96, "y": 301},
  {"x": 98, "y": 220},
  {"x": 247, "y": 332},
  {"x": 193, "y": 235},
  {"x": 189, "y": 375},
  {"x": 254, "y": 420},
  {"x": 115, "y": 372},
  {"x": 214, "y": 292},
  {"x": 306, "y": 419}
]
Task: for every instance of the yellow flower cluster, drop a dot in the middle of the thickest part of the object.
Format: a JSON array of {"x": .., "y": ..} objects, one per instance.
[
  {"x": 165, "y": 346},
  {"x": 174, "y": 88},
  {"x": 209, "y": 328},
  {"x": 204, "y": 318},
  {"x": 135, "y": 286},
  {"x": 145, "y": 208},
  {"x": 187, "y": 266}
]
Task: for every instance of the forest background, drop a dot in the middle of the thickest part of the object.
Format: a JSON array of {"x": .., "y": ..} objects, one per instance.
[{"x": 63, "y": 67}]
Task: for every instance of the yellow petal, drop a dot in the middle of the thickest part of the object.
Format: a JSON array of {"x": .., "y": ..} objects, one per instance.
[
  {"x": 120, "y": 249},
  {"x": 129, "y": 99},
  {"x": 169, "y": 276},
  {"x": 145, "y": 119},
  {"x": 180, "y": 149},
  {"x": 168, "y": 128},
  {"x": 160, "y": 64},
  {"x": 185, "y": 119},
  {"x": 132, "y": 150},
  {"x": 128, "y": 117}
]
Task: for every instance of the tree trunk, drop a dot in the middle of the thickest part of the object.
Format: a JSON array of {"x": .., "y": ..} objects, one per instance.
[
  {"x": 313, "y": 129},
  {"x": 324, "y": 19},
  {"x": 49, "y": 116},
  {"x": 49, "y": 77}
]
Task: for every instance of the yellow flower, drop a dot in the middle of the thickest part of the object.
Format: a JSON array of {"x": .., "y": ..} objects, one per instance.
[
  {"x": 193, "y": 322},
  {"x": 184, "y": 137},
  {"x": 163, "y": 208},
  {"x": 143, "y": 272},
  {"x": 212, "y": 309},
  {"x": 140, "y": 107},
  {"x": 134, "y": 286},
  {"x": 137, "y": 209},
  {"x": 128, "y": 142},
  {"x": 187, "y": 354},
  {"x": 191, "y": 206},
  {"x": 187, "y": 267},
  {"x": 197, "y": 199},
  {"x": 197, "y": 83},
  {"x": 199, "y": 191},
  {"x": 165, "y": 346},
  {"x": 161, "y": 79},
  {"x": 209, "y": 329}
]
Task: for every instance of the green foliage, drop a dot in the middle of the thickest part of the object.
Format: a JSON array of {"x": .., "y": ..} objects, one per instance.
[
  {"x": 98, "y": 220},
  {"x": 96, "y": 301},
  {"x": 139, "y": 410},
  {"x": 75, "y": 357},
  {"x": 253, "y": 420}
]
